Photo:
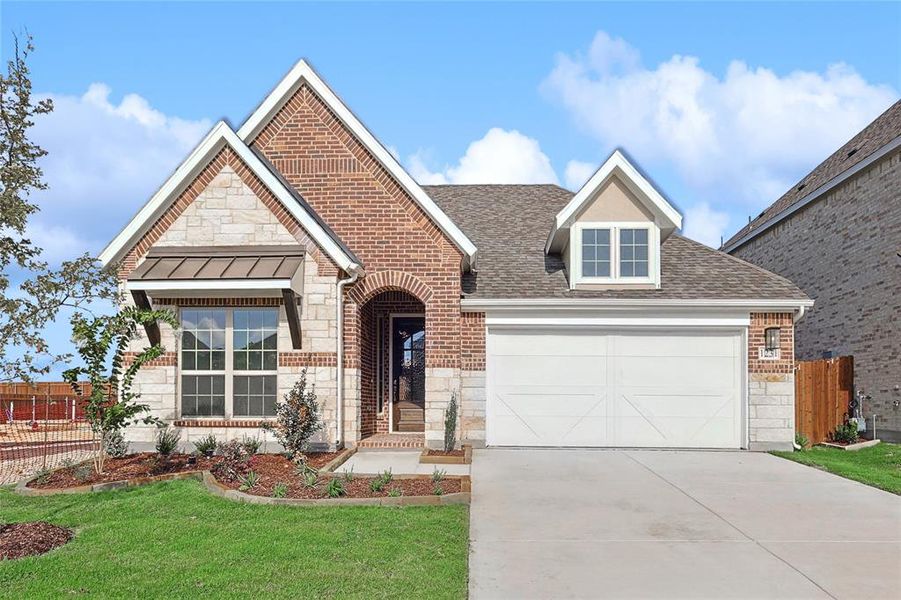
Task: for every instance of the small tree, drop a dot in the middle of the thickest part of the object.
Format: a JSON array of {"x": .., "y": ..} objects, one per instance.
[
  {"x": 450, "y": 424},
  {"x": 112, "y": 405},
  {"x": 297, "y": 419}
]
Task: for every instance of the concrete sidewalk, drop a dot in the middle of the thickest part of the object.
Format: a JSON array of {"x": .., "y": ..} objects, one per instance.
[{"x": 662, "y": 524}]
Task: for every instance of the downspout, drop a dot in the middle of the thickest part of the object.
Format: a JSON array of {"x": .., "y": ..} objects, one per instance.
[{"x": 339, "y": 334}]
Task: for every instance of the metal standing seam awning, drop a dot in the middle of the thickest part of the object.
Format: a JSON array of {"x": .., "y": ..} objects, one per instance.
[{"x": 217, "y": 270}]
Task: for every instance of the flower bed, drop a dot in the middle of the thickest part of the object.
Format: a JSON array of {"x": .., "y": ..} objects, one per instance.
[
  {"x": 442, "y": 457},
  {"x": 18, "y": 540},
  {"x": 149, "y": 465},
  {"x": 270, "y": 470}
]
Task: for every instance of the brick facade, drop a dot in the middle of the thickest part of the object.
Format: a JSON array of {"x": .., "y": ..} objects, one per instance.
[
  {"x": 771, "y": 384},
  {"x": 842, "y": 251}
]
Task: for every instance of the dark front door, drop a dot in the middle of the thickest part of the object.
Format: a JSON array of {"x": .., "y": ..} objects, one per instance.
[{"x": 408, "y": 373}]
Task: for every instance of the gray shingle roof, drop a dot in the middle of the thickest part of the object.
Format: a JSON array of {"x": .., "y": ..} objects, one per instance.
[
  {"x": 874, "y": 136},
  {"x": 509, "y": 224}
]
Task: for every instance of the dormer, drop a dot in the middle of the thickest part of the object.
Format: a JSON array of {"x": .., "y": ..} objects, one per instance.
[{"x": 609, "y": 234}]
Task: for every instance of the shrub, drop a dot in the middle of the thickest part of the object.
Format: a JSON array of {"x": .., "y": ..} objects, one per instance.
[
  {"x": 43, "y": 476},
  {"x": 167, "y": 441},
  {"x": 297, "y": 419},
  {"x": 450, "y": 424},
  {"x": 846, "y": 433},
  {"x": 280, "y": 490},
  {"x": 248, "y": 481},
  {"x": 311, "y": 479},
  {"x": 395, "y": 492},
  {"x": 251, "y": 445},
  {"x": 335, "y": 489},
  {"x": 349, "y": 475},
  {"x": 234, "y": 458},
  {"x": 438, "y": 475},
  {"x": 438, "y": 490},
  {"x": 206, "y": 445},
  {"x": 82, "y": 472},
  {"x": 116, "y": 446},
  {"x": 377, "y": 484},
  {"x": 802, "y": 441}
]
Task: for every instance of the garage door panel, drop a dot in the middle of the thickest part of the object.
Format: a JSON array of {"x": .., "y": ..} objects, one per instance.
[
  {"x": 550, "y": 344},
  {"x": 544, "y": 370},
  {"x": 549, "y": 417},
  {"x": 660, "y": 389},
  {"x": 675, "y": 372},
  {"x": 673, "y": 344}
]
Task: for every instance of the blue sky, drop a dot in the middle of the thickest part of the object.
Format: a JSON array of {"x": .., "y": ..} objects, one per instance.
[{"x": 723, "y": 105}]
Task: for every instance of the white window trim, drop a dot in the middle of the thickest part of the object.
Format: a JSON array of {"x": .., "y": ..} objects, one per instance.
[
  {"x": 229, "y": 372},
  {"x": 575, "y": 245}
]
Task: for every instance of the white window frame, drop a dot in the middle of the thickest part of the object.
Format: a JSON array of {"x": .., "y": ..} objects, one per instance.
[
  {"x": 575, "y": 244},
  {"x": 229, "y": 372}
]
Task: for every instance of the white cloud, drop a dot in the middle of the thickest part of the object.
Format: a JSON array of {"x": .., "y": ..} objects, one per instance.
[
  {"x": 750, "y": 132},
  {"x": 501, "y": 156},
  {"x": 577, "y": 173},
  {"x": 705, "y": 225},
  {"x": 104, "y": 161}
]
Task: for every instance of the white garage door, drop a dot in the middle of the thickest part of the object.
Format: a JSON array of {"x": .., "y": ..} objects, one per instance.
[{"x": 625, "y": 389}]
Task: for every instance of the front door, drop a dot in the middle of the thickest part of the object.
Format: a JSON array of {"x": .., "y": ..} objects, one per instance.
[{"x": 408, "y": 373}]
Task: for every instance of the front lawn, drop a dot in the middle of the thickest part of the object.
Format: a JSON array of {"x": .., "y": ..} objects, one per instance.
[
  {"x": 176, "y": 540},
  {"x": 878, "y": 466}
]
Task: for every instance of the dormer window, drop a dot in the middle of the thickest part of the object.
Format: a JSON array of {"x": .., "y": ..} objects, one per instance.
[{"x": 614, "y": 253}]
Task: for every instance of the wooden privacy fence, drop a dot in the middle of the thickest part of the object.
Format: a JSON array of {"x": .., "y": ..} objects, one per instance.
[
  {"x": 40, "y": 401},
  {"x": 823, "y": 389}
]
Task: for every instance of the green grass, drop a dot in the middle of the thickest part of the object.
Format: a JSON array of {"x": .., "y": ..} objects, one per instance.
[
  {"x": 176, "y": 540},
  {"x": 878, "y": 466}
]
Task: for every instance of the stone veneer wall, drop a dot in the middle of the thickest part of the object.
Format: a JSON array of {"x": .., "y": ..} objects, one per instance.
[
  {"x": 228, "y": 212},
  {"x": 842, "y": 251},
  {"x": 771, "y": 385}
]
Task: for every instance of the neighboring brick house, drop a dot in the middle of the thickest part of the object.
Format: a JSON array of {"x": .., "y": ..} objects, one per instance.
[
  {"x": 837, "y": 235},
  {"x": 557, "y": 319}
]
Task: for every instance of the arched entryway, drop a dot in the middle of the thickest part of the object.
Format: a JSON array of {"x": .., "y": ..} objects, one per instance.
[{"x": 392, "y": 364}]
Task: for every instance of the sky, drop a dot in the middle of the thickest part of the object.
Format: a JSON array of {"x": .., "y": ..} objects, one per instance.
[{"x": 724, "y": 106}]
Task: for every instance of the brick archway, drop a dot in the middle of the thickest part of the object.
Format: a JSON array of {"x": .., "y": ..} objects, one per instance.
[{"x": 386, "y": 281}]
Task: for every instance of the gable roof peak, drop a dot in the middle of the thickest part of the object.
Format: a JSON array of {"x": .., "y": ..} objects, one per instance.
[
  {"x": 303, "y": 73},
  {"x": 616, "y": 165}
]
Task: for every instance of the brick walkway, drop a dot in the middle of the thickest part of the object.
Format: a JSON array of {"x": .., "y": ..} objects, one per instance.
[{"x": 393, "y": 440}]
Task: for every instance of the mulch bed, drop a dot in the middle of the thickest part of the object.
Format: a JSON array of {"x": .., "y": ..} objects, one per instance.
[
  {"x": 275, "y": 468},
  {"x": 147, "y": 464},
  {"x": 457, "y": 453},
  {"x": 30, "y": 539}
]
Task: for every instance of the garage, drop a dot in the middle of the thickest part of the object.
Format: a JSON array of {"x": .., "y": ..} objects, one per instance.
[{"x": 608, "y": 388}]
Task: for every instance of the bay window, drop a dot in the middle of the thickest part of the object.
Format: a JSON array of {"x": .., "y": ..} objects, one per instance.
[{"x": 229, "y": 362}]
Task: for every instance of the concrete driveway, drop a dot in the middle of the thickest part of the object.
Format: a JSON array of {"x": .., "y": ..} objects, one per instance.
[{"x": 662, "y": 524}]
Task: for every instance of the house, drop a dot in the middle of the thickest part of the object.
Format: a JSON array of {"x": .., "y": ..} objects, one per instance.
[
  {"x": 557, "y": 319},
  {"x": 837, "y": 234}
]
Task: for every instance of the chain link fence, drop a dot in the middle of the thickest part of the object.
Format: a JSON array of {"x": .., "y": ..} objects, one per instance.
[{"x": 42, "y": 427}]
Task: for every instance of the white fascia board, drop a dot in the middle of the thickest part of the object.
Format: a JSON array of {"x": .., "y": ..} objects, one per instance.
[
  {"x": 221, "y": 135},
  {"x": 814, "y": 195},
  {"x": 223, "y": 285},
  {"x": 617, "y": 163},
  {"x": 649, "y": 322},
  {"x": 303, "y": 72},
  {"x": 582, "y": 304}
]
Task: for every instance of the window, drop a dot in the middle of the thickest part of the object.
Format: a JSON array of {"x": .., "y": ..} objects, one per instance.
[
  {"x": 633, "y": 252},
  {"x": 595, "y": 253},
  {"x": 203, "y": 363},
  {"x": 229, "y": 362},
  {"x": 612, "y": 252}
]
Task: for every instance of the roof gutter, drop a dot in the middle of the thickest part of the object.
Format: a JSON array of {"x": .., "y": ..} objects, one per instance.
[
  {"x": 796, "y": 305},
  {"x": 814, "y": 195}
]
